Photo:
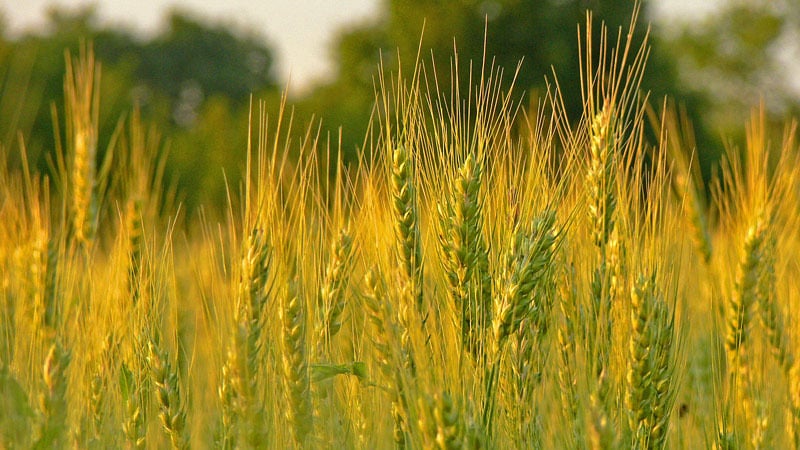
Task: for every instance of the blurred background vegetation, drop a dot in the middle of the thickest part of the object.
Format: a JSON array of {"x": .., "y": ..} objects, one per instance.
[{"x": 193, "y": 79}]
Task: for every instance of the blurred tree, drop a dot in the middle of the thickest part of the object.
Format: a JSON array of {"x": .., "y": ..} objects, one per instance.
[
  {"x": 192, "y": 79},
  {"x": 190, "y": 59},
  {"x": 746, "y": 52},
  {"x": 542, "y": 32}
]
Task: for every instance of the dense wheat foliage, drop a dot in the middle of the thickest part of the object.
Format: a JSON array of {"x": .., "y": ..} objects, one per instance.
[{"x": 487, "y": 276}]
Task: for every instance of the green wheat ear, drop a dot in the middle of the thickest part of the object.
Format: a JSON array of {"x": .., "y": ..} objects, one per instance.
[
  {"x": 740, "y": 307},
  {"x": 172, "y": 406},
  {"x": 295, "y": 363},
  {"x": 440, "y": 423},
  {"x": 526, "y": 261},
  {"x": 601, "y": 177},
  {"x": 464, "y": 253},
  {"x": 53, "y": 401},
  {"x": 337, "y": 275},
  {"x": 406, "y": 224},
  {"x": 650, "y": 382},
  {"x": 82, "y": 101},
  {"x": 384, "y": 338}
]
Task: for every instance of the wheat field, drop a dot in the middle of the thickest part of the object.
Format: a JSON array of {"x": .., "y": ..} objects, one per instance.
[{"x": 488, "y": 275}]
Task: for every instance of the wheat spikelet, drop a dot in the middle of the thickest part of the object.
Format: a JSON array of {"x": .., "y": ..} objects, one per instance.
[
  {"x": 771, "y": 317},
  {"x": 135, "y": 247},
  {"x": 600, "y": 430},
  {"x": 231, "y": 392},
  {"x": 378, "y": 317},
  {"x": 253, "y": 297},
  {"x": 694, "y": 210},
  {"x": 295, "y": 363}
]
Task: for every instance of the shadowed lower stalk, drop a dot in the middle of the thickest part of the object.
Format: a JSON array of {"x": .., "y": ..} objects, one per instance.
[{"x": 567, "y": 373}]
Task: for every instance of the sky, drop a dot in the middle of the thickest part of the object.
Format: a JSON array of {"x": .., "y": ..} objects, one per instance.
[{"x": 300, "y": 31}]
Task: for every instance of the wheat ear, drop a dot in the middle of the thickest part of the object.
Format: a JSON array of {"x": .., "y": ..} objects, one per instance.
[
  {"x": 740, "y": 308},
  {"x": 295, "y": 362},
  {"x": 527, "y": 260},
  {"x": 409, "y": 243},
  {"x": 650, "y": 389},
  {"x": 337, "y": 275},
  {"x": 379, "y": 314},
  {"x": 601, "y": 177},
  {"x": 440, "y": 423},
  {"x": 81, "y": 99},
  {"x": 171, "y": 405},
  {"x": 464, "y": 253},
  {"x": 53, "y": 401},
  {"x": 135, "y": 247}
]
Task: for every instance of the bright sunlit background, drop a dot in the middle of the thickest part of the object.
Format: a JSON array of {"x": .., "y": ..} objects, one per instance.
[{"x": 299, "y": 31}]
